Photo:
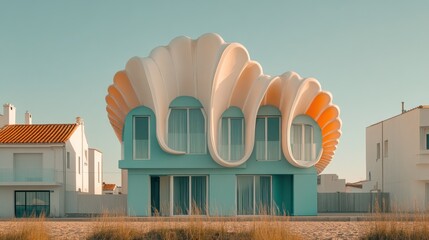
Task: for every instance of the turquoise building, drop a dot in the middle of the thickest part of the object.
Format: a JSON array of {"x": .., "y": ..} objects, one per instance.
[{"x": 205, "y": 132}]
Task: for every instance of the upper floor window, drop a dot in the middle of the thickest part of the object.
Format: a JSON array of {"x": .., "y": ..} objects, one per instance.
[
  {"x": 28, "y": 167},
  {"x": 268, "y": 133},
  {"x": 424, "y": 138},
  {"x": 303, "y": 147},
  {"x": 427, "y": 141},
  {"x": 187, "y": 126},
  {"x": 378, "y": 151},
  {"x": 141, "y": 132},
  {"x": 386, "y": 148},
  {"x": 305, "y": 138},
  {"x": 232, "y": 134},
  {"x": 68, "y": 160}
]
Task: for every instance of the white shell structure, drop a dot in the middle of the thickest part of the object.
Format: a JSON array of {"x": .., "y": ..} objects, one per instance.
[{"x": 221, "y": 75}]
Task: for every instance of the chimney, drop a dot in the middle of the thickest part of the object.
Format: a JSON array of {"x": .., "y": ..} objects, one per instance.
[
  {"x": 9, "y": 115},
  {"x": 403, "y": 108},
  {"x": 28, "y": 118},
  {"x": 79, "y": 120}
]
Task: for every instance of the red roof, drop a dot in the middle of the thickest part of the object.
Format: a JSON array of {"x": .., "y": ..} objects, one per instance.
[
  {"x": 36, "y": 133},
  {"x": 109, "y": 186}
]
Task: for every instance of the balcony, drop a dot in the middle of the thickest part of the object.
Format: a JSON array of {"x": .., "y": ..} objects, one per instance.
[
  {"x": 10, "y": 176},
  {"x": 423, "y": 157}
]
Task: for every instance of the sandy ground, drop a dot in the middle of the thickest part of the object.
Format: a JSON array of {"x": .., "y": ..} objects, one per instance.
[{"x": 307, "y": 229}]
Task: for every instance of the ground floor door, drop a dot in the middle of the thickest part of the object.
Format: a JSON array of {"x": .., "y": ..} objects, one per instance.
[
  {"x": 32, "y": 203},
  {"x": 154, "y": 196}
]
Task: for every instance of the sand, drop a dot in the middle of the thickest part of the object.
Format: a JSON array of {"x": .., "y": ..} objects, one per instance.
[{"x": 64, "y": 229}]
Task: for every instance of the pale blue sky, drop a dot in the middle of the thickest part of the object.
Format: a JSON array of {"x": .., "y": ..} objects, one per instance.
[{"x": 57, "y": 58}]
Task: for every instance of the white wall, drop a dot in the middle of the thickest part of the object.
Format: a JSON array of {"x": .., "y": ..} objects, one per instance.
[
  {"x": 95, "y": 171},
  {"x": 82, "y": 203},
  {"x": 124, "y": 181},
  {"x": 77, "y": 146},
  {"x": 7, "y": 199},
  {"x": 52, "y": 164},
  {"x": 52, "y": 160},
  {"x": 404, "y": 171},
  {"x": 330, "y": 183}
]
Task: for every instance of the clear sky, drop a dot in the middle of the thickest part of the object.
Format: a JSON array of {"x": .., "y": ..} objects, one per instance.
[{"x": 57, "y": 58}]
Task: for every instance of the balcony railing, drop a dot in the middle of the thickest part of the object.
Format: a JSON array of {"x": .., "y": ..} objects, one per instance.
[
  {"x": 27, "y": 175},
  {"x": 423, "y": 157}
]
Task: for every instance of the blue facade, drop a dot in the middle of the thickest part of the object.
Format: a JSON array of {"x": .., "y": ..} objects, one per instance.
[{"x": 193, "y": 183}]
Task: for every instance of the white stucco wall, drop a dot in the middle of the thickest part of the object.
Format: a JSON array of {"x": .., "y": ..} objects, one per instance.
[
  {"x": 404, "y": 171},
  {"x": 95, "y": 171},
  {"x": 52, "y": 165},
  {"x": 77, "y": 146},
  {"x": 330, "y": 183}
]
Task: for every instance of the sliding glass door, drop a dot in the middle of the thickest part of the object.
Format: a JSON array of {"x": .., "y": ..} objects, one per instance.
[
  {"x": 253, "y": 195},
  {"x": 189, "y": 195}
]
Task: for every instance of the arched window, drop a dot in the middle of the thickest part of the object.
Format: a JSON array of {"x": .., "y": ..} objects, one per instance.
[
  {"x": 268, "y": 134},
  {"x": 232, "y": 134},
  {"x": 305, "y": 138},
  {"x": 187, "y": 126}
]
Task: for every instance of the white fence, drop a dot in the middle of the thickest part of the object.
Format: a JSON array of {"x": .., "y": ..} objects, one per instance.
[
  {"x": 80, "y": 204},
  {"x": 353, "y": 202}
]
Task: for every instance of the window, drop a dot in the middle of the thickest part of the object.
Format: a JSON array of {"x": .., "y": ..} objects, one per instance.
[
  {"x": 268, "y": 138},
  {"x": 141, "y": 137},
  {"x": 378, "y": 151},
  {"x": 386, "y": 148},
  {"x": 232, "y": 138},
  {"x": 253, "y": 195},
  {"x": 187, "y": 130},
  {"x": 68, "y": 160},
  {"x": 303, "y": 146},
  {"x": 86, "y": 157},
  {"x": 189, "y": 195},
  {"x": 28, "y": 167},
  {"x": 32, "y": 203},
  {"x": 427, "y": 141},
  {"x": 98, "y": 172}
]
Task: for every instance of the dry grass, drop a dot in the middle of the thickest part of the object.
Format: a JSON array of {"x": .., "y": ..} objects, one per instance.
[
  {"x": 192, "y": 228},
  {"x": 27, "y": 229},
  {"x": 398, "y": 225}
]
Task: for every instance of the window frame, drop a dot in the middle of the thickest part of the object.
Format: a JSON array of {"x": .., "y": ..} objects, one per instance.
[
  {"x": 171, "y": 192},
  {"x": 229, "y": 136},
  {"x": 148, "y": 137},
  {"x": 265, "y": 117},
  {"x": 378, "y": 151},
  {"x": 271, "y": 212},
  {"x": 303, "y": 134},
  {"x": 188, "y": 139}
]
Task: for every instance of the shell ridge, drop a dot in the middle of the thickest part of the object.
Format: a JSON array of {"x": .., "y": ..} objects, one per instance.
[{"x": 214, "y": 72}]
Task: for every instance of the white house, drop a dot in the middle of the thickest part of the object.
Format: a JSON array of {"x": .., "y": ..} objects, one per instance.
[
  {"x": 397, "y": 159},
  {"x": 39, "y": 163},
  {"x": 329, "y": 183}
]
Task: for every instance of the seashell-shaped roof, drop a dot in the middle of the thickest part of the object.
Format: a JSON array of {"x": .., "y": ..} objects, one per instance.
[{"x": 221, "y": 75}]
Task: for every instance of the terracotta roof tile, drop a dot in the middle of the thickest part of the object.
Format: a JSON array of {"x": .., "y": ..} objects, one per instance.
[
  {"x": 36, "y": 133},
  {"x": 108, "y": 186}
]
